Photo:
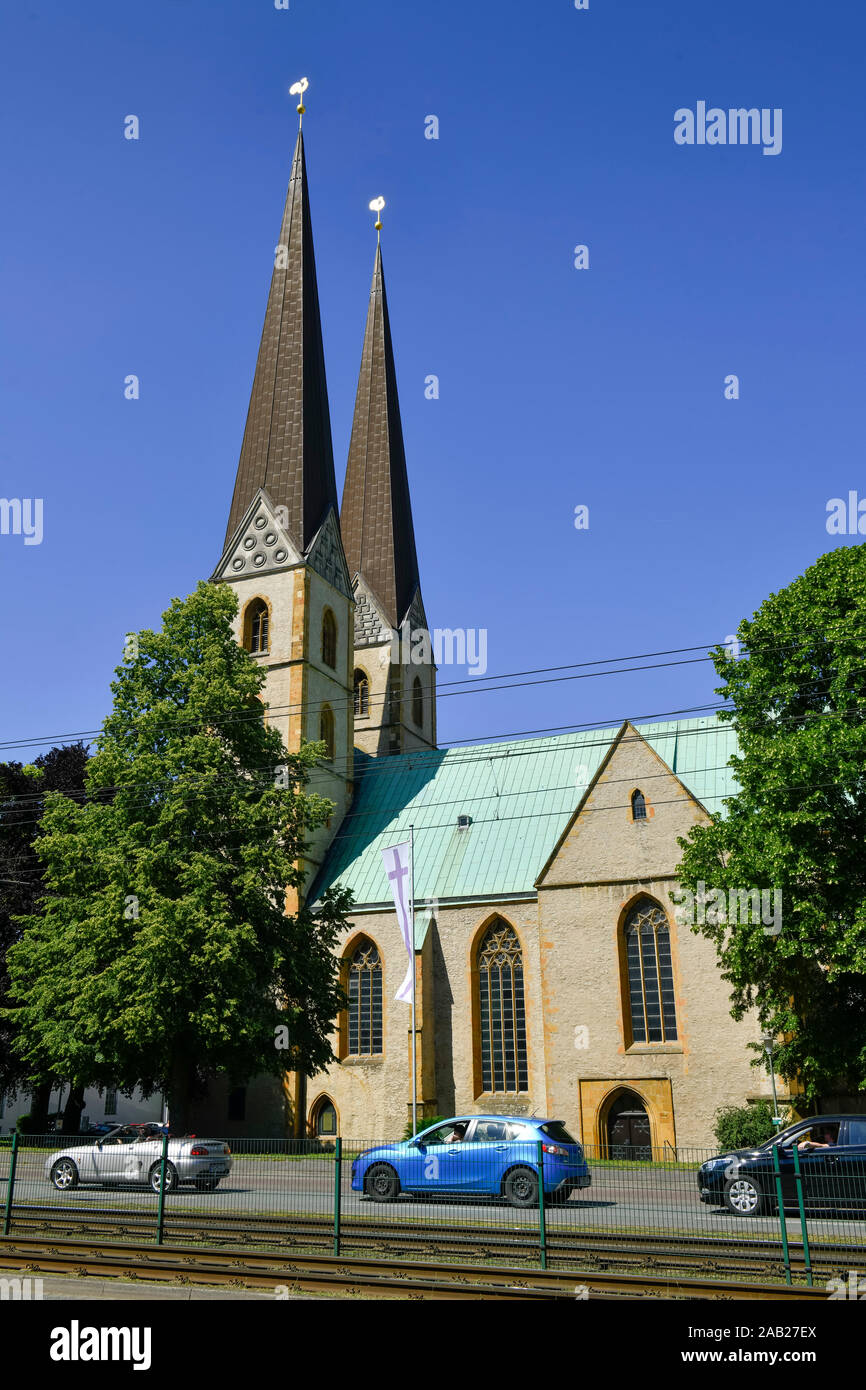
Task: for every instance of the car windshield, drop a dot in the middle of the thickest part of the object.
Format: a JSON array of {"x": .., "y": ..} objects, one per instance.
[{"x": 555, "y": 1129}]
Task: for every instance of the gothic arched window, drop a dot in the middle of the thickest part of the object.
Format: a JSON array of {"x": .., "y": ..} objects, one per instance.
[
  {"x": 324, "y": 1114},
  {"x": 650, "y": 974},
  {"x": 502, "y": 1011},
  {"x": 638, "y": 806},
  {"x": 257, "y": 627},
  {"x": 364, "y": 1021},
  {"x": 362, "y": 693},
  {"x": 329, "y": 639},
  {"x": 326, "y": 731},
  {"x": 417, "y": 702}
]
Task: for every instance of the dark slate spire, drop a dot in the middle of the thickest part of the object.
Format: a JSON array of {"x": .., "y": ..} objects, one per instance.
[
  {"x": 287, "y": 441},
  {"x": 376, "y": 517}
]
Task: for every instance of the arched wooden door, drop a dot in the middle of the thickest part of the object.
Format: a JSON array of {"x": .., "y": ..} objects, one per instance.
[{"x": 628, "y": 1128}]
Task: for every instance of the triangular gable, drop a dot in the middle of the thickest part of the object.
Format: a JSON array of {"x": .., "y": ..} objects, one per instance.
[
  {"x": 260, "y": 545},
  {"x": 627, "y": 732},
  {"x": 326, "y": 555}
]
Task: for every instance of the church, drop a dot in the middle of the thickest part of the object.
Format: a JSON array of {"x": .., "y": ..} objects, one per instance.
[{"x": 552, "y": 975}]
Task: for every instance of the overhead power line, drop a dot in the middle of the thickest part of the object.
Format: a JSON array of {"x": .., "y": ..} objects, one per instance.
[{"x": 481, "y": 685}]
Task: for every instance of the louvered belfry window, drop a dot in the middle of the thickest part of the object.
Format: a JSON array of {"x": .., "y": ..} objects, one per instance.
[
  {"x": 258, "y": 628},
  {"x": 650, "y": 974},
  {"x": 365, "y": 1003},
  {"x": 502, "y": 1011},
  {"x": 329, "y": 639},
  {"x": 362, "y": 693}
]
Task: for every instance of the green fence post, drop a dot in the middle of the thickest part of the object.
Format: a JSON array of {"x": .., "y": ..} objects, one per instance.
[
  {"x": 542, "y": 1225},
  {"x": 803, "y": 1227},
  {"x": 338, "y": 1191},
  {"x": 13, "y": 1163},
  {"x": 782, "y": 1223},
  {"x": 160, "y": 1215}
]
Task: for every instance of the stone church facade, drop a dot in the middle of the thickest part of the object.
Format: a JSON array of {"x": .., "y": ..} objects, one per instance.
[{"x": 553, "y": 976}]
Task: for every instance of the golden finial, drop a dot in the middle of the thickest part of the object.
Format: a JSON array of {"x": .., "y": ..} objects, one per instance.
[
  {"x": 377, "y": 206},
  {"x": 297, "y": 89}
]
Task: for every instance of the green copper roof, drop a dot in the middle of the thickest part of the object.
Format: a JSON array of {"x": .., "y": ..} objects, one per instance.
[{"x": 518, "y": 795}]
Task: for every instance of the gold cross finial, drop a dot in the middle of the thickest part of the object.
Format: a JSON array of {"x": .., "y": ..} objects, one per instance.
[
  {"x": 377, "y": 206},
  {"x": 297, "y": 89}
]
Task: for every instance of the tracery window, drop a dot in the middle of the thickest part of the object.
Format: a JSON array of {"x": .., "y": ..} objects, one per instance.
[
  {"x": 502, "y": 1011},
  {"x": 364, "y": 1031},
  {"x": 638, "y": 806},
  {"x": 650, "y": 974}
]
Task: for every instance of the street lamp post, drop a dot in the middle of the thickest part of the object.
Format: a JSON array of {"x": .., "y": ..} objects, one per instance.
[{"x": 768, "y": 1048}]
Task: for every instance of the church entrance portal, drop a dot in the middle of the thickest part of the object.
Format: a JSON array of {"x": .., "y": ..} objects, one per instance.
[{"x": 628, "y": 1129}]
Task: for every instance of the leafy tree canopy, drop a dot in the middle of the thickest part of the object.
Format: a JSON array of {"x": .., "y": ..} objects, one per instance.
[
  {"x": 162, "y": 952},
  {"x": 23, "y": 789},
  {"x": 798, "y": 823}
]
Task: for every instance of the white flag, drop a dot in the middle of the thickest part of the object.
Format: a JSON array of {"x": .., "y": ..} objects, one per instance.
[{"x": 399, "y": 870}]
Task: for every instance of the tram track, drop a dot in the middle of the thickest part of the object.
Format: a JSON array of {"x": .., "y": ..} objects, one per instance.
[
  {"x": 399, "y": 1237},
  {"x": 362, "y": 1275}
]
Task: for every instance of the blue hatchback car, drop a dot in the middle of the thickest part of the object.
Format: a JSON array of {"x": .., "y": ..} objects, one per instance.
[{"x": 493, "y": 1155}]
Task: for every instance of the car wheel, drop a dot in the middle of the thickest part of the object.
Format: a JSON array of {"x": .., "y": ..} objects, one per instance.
[
  {"x": 381, "y": 1183},
  {"x": 64, "y": 1175},
  {"x": 206, "y": 1184},
  {"x": 744, "y": 1198},
  {"x": 521, "y": 1187},
  {"x": 170, "y": 1177}
]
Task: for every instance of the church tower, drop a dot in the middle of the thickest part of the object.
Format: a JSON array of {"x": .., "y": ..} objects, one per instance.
[
  {"x": 283, "y": 552},
  {"x": 394, "y": 677}
]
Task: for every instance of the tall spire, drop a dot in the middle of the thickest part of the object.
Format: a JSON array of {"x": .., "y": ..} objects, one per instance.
[
  {"x": 376, "y": 517},
  {"x": 287, "y": 445}
]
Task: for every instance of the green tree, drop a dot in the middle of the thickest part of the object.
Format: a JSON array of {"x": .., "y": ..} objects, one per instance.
[
  {"x": 23, "y": 788},
  {"x": 162, "y": 953},
  {"x": 797, "y": 823}
]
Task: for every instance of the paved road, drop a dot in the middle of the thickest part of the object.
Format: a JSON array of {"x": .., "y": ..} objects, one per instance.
[{"x": 638, "y": 1199}]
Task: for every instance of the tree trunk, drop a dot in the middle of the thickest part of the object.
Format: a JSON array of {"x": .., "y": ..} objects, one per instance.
[
  {"x": 179, "y": 1095},
  {"x": 72, "y": 1111},
  {"x": 40, "y": 1099}
]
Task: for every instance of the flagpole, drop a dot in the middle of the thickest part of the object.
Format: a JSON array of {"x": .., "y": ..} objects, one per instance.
[{"x": 412, "y": 960}]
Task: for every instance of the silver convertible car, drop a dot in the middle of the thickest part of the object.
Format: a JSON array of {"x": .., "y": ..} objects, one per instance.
[{"x": 131, "y": 1154}]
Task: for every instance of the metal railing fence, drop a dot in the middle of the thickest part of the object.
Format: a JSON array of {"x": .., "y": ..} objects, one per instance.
[{"x": 801, "y": 1218}]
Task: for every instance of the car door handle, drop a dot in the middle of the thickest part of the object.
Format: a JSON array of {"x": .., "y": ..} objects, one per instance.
[{"x": 500, "y": 1148}]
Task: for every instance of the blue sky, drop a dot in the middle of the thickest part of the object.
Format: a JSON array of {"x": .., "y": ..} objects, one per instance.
[{"x": 558, "y": 387}]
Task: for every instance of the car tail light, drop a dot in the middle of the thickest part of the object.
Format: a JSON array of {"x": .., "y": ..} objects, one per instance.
[
  {"x": 198, "y": 1152},
  {"x": 226, "y": 1149},
  {"x": 555, "y": 1149}
]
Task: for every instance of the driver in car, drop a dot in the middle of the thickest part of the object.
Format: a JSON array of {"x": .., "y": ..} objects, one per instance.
[
  {"x": 457, "y": 1133},
  {"x": 827, "y": 1141}
]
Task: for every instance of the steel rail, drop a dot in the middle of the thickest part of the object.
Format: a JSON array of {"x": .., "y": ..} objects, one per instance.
[
  {"x": 407, "y": 1278},
  {"x": 678, "y": 1250}
]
